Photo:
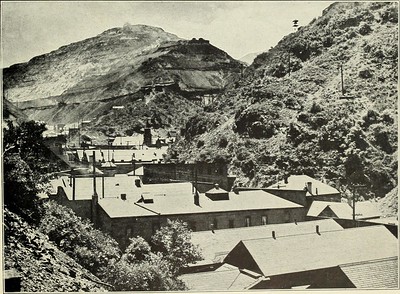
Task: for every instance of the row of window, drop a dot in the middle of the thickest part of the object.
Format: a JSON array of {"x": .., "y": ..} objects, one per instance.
[
  {"x": 214, "y": 223},
  {"x": 231, "y": 223}
]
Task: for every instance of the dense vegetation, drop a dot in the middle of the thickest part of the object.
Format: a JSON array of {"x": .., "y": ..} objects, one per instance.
[
  {"x": 279, "y": 120},
  {"x": 55, "y": 250}
]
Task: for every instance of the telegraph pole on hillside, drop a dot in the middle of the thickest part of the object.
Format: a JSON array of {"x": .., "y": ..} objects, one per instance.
[
  {"x": 355, "y": 188},
  {"x": 341, "y": 78}
]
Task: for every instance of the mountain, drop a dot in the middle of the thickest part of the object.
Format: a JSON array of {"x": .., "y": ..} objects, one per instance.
[
  {"x": 288, "y": 114},
  {"x": 83, "y": 80},
  {"x": 249, "y": 58}
]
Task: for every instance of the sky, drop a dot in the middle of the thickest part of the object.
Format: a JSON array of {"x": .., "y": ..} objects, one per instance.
[{"x": 238, "y": 27}]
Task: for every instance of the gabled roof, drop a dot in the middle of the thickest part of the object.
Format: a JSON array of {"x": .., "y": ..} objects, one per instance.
[
  {"x": 300, "y": 253},
  {"x": 231, "y": 279},
  {"x": 215, "y": 246},
  {"x": 299, "y": 182},
  {"x": 374, "y": 274},
  {"x": 343, "y": 210}
]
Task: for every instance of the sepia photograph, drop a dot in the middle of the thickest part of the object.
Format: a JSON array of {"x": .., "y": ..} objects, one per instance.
[{"x": 199, "y": 146}]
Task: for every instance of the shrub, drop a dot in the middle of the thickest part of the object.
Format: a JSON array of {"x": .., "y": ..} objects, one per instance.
[
  {"x": 365, "y": 73},
  {"x": 223, "y": 142},
  {"x": 257, "y": 121},
  {"x": 90, "y": 247},
  {"x": 364, "y": 29}
]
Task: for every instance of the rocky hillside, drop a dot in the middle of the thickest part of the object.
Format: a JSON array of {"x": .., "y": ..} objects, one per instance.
[
  {"x": 289, "y": 115},
  {"x": 121, "y": 66},
  {"x": 43, "y": 267}
]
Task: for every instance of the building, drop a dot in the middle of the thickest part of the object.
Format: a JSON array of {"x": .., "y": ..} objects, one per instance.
[
  {"x": 320, "y": 259},
  {"x": 342, "y": 210},
  {"x": 127, "y": 208},
  {"x": 205, "y": 175},
  {"x": 224, "y": 278},
  {"x": 122, "y": 156},
  {"x": 303, "y": 190},
  {"x": 129, "y": 141},
  {"x": 215, "y": 246}
]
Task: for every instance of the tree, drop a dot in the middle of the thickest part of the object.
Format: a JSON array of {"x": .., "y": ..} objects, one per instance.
[
  {"x": 138, "y": 250},
  {"x": 26, "y": 168},
  {"x": 149, "y": 275},
  {"x": 90, "y": 247},
  {"x": 141, "y": 269},
  {"x": 173, "y": 241},
  {"x": 20, "y": 188}
]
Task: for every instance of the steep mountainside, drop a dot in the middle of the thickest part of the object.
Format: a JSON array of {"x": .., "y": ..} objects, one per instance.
[
  {"x": 288, "y": 113},
  {"x": 84, "y": 80},
  {"x": 43, "y": 267}
]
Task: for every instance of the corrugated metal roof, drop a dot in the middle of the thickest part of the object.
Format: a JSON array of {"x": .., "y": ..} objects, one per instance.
[
  {"x": 299, "y": 182},
  {"x": 374, "y": 274},
  {"x": 315, "y": 251},
  {"x": 215, "y": 246}
]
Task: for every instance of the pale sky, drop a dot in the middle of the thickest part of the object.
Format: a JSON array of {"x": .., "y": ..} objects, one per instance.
[{"x": 33, "y": 28}]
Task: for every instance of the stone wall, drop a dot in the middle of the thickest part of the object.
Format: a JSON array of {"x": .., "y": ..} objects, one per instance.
[{"x": 123, "y": 228}]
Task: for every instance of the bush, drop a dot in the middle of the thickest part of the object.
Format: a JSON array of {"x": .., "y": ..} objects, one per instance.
[
  {"x": 365, "y": 73},
  {"x": 315, "y": 108},
  {"x": 223, "y": 142},
  {"x": 364, "y": 29},
  {"x": 257, "y": 121},
  {"x": 90, "y": 247}
]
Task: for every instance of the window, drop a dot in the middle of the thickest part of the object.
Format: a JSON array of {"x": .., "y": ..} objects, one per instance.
[
  {"x": 215, "y": 223},
  {"x": 264, "y": 220},
  {"x": 287, "y": 216},
  {"x": 248, "y": 221},
  {"x": 192, "y": 226},
  {"x": 231, "y": 223}
]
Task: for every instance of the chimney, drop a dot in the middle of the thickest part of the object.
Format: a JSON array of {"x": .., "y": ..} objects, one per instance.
[
  {"x": 123, "y": 196},
  {"x": 295, "y": 221},
  {"x": 212, "y": 228},
  {"x": 316, "y": 191},
  {"x": 137, "y": 183},
  {"x": 317, "y": 229},
  {"x": 309, "y": 187},
  {"x": 273, "y": 235},
  {"x": 147, "y": 137},
  {"x": 216, "y": 186},
  {"x": 286, "y": 179},
  {"x": 196, "y": 198}
]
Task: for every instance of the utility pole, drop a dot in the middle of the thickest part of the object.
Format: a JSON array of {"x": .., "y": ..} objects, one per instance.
[
  {"x": 289, "y": 63},
  {"x": 94, "y": 174},
  {"x": 341, "y": 77},
  {"x": 355, "y": 187}
]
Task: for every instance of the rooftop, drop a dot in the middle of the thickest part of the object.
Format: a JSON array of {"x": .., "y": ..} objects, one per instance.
[
  {"x": 374, "y": 274},
  {"x": 299, "y": 182},
  {"x": 224, "y": 278},
  {"x": 315, "y": 251},
  {"x": 124, "y": 155},
  {"x": 215, "y": 246},
  {"x": 342, "y": 210},
  {"x": 177, "y": 198}
]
